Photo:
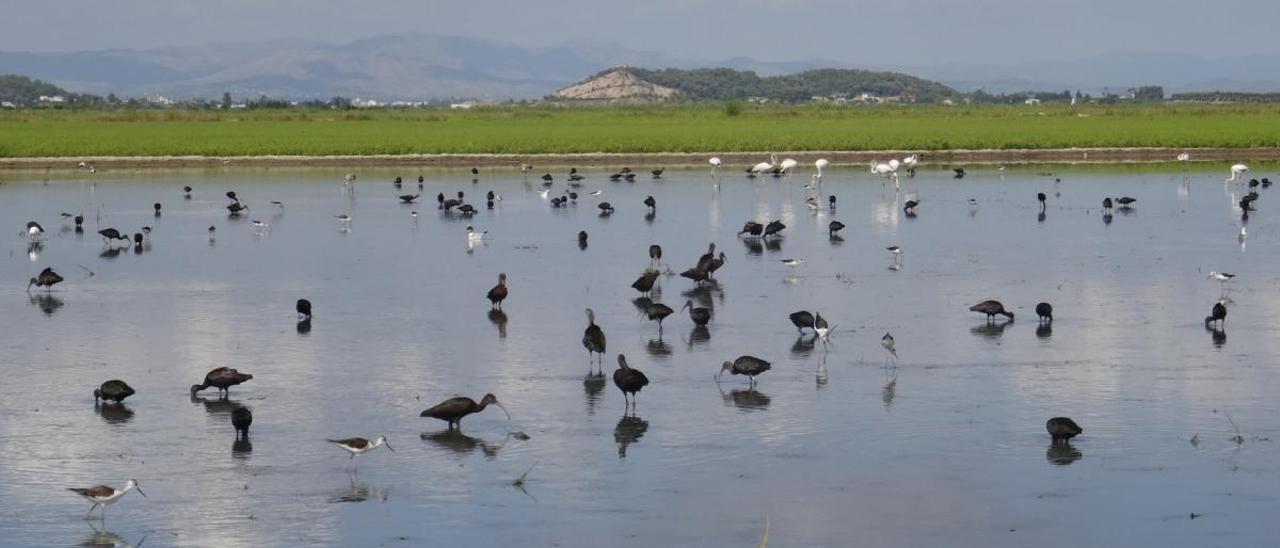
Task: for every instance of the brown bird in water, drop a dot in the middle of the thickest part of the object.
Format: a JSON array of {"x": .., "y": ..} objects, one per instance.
[
  {"x": 1062, "y": 429},
  {"x": 223, "y": 378},
  {"x": 593, "y": 337},
  {"x": 752, "y": 228},
  {"x": 46, "y": 279},
  {"x": 655, "y": 254},
  {"x": 114, "y": 390},
  {"x": 991, "y": 308},
  {"x": 644, "y": 284},
  {"x": 241, "y": 418},
  {"x": 1045, "y": 312},
  {"x": 745, "y": 365},
  {"x": 658, "y": 312},
  {"x": 628, "y": 380},
  {"x": 454, "y": 409},
  {"x": 499, "y": 292}
]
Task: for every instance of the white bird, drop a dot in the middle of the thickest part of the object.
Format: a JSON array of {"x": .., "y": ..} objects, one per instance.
[
  {"x": 414, "y": 215},
  {"x": 895, "y": 250},
  {"x": 787, "y": 165},
  {"x": 525, "y": 168},
  {"x": 473, "y": 236},
  {"x": 597, "y": 192},
  {"x": 820, "y": 326},
  {"x": 359, "y": 446},
  {"x": 1184, "y": 157},
  {"x": 1221, "y": 276},
  {"x": 34, "y": 230},
  {"x": 103, "y": 495},
  {"x": 762, "y": 167},
  {"x": 714, "y": 161},
  {"x": 343, "y": 218},
  {"x": 812, "y": 203},
  {"x": 259, "y": 225},
  {"x": 821, "y": 164},
  {"x": 894, "y": 165},
  {"x": 793, "y": 262},
  {"x": 885, "y": 170},
  {"x": 887, "y": 342},
  {"x": 1237, "y": 170},
  {"x": 278, "y": 204},
  {"x": 911, "y": 161},
  {"x": 543, "y": 193}
]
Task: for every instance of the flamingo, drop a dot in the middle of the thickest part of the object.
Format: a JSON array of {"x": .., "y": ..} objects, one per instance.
[
  {"x": 787, "y": 165},
  {"x": 1237, "y": 170},
  {"x": 820, "y": 164}
]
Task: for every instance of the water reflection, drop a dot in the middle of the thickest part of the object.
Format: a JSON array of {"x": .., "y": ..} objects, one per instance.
[
  {"x": 1219, "y": 336},
  {"x": 456, "y": 441},
  {"x": 746, "y": 399},
  {"x": 359, "y": 491},
  {"x": 114, "y": 413},
  {"x": 46, "y": 302},
  {"x": 1040, "y": 218},
  {"x": 702, "y": 295},
  {"x": 110, "y": 252},
  {"x": 1044, "y": 330},
  {"x": 216, "y": 406},
  {"x": 499, "y": 318},
  {"x": 304, "y": 326},
  {"x": 241, "y": 448},
  {"x": 773, "y": 244},
  {"x": 657, "y": 348},
  {"x": 628, "y": 431},
  {"x": 1062, "y": 454},
  {"x": 33, "y": 250},
  {"x": 698, "y": 336},
  {"x": 593, "y": 388},
  {"x": 102, "y": 537},
  {"x": 890, "y": 389},
  {"x": 991, "y": 330},
  {"x": 835, "y": 239},
  {"x": 753, "y": 245},
  {"x": 1106, "y": 218},
  {"x": 803, "y": 345}
]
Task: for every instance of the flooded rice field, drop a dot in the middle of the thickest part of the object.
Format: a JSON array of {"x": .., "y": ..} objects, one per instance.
[{"x": 838, "y": 445}]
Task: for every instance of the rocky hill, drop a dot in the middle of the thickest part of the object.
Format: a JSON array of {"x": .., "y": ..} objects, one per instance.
[
  {"x": 720, "y": 84},
  {"x": 619, "y": 85}
]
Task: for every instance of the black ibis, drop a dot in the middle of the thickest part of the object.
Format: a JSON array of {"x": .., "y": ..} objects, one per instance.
[
  {"x": 593, "y": 337},
  {"x": 109, "y": 234},
  {"x": 499, "y": 292},
  {"x": 1040, "y": 196},
  {"x": 241, "y": 418},
  {"x": 910, "y": 206},
  {"x": 644, "y": 284},
  {"x": 752, "y": 228},
  {"x": 991, "y": 308},
  {"x": 1045, "y": 312},
  {"x": 79, "y": 220},
  {"x": 657, "y": 173},
  {"x": 222, "y": 378},
  {"x": 1062, "y": 429},
  {"x": 156, "y": 206},
  {"x": 1106, "y": 204},
  {"x": 655, "y": 254},
  {"x": 475, "y": 171},
  {"x": 615, "y": 177},
  {"x": 409, "y": 198},
  {"x": 802, "y": 319},
  {"x": 303, "y": 307},
  {"x": 700, "y": 316},
  {"x": 696, "y": 274},
  {"x": 831, "y": 202},
  {"x": 454, "y": 409},
  {"x": 420, "y": 181},
  {"x": 651, "y": 203},
  {"x": 582, "y": 239},
  {"x": 236, "y": 208},
  {"x": 745, "y": 365},
  {"x": 115, "y": 390},
  {"x": 1126, "y": 202},
  {"x": 658, "y": 312},
  {"x": 440, "y": 200},
  {"x": 547, "y": 178},
  {"x": 398, "y": 181},
  {"x": 834, "y": 227},
  {"x": 704, "y": 262},
  {"x": 715, "y": 265},
  {"x": 959, "y": 171},
  {"x": 1246, "y": 202},
  {"x": 232, "y": 195},
  {"x": 628, "y": 380},
  {"x": 774, "y": 227},
  {"x": 1218, "y": 315},
  {"x": 605, "y": 208},
  {"x": 137, "y": 238},
  {"x": 46, "y": 279}
]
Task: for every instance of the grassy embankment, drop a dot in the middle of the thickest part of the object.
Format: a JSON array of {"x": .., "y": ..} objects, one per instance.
[{"x": 522, "y": 130}]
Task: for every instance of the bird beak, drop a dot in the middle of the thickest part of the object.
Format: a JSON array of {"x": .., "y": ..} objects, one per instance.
[
  {"x": 503, "y": 408},
  {"x": 139, "y": 489},
  {"x": 388, "y": 446}
]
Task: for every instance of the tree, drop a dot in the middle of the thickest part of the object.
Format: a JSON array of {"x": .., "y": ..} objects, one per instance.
[
  {"x": 1149, "y": 93},
  {"x": 226, "y": 100}
]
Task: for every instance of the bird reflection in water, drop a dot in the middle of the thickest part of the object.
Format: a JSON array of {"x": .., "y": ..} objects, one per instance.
[
  {"x": 991, "y": 330},
  {"x": 592, "y": 389},
  {"x": 773, "y": 244},
  {"x": 114, "y": 413},
  {"x": 33, "y": 250},
  {"x": 216, "y": 406},
  {"x": 700, "y": 335},
  {"x": 629, "y": 430},
  {"x": 835, "y": 239},
  {"x": 748, "y": 399},
  {"x": 642, "y": 303},
  {"x": 360, "y": 492},
  {"x": 890, "y": 389},
  {"x": 111, "y": 252},
  {"x": 102, "y": 537},
  {"x": 499, "y": 318},
  {"x": 1044, "y": 330},
  {"x": 1106, "y": 218},
  {"x": 754, "y": 246},
  {"x": 821, "y": 374},
  {"x": 456, "y": 441},
  {"x": 701, "y": 296},
  {"x": 46, "y": 302},
  {"x": 803, "y": 345},
  {"x": 1062, "y": 454},
  {"x": 1218, "y": 335},
  {"x": 658, "y": 348},
  {"x": 304, "y": 326}
]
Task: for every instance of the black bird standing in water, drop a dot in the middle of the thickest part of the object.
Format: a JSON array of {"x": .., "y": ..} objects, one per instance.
[
  {"x": 454, "y": 409},
  {"x": 1106, "y": 204},
  {"x": 582, "y": 239},
  {"x": 910, "y": 206},
  {"x": 651, "y": 204},
  {"x": 114, "y": 390},
  {"x": 802, "y": 319},
  {"x": 1045, "y": 312},
  {"x": 991, "y": 308},
  {"x": 499, "y": 292},
  {"x": 222, "y": 378},
  {"x": 644, "y": 284},
  {"x": 593, "y": 337},
  {"x": 46, "y": 279},
  {"x": 834, "y": 227},
  {"x": 658, "y": 312},
  {"x": 109, "y": 234},
  {"x": 1062, "y": 429},
  {"x": 655, "y": 254},
  {"x": 751, "y": 228},
  {"x": 1217, "y": 316},
  {"x": 774, "y": 227},
  {"x": 241, "y": 418},
  {"x": 1040, "y": 196},
  {"x": 657, "y": 173},
  {"x": 959, "y": 172},
  {"x": 303, "y": 307},
  {"x": 628, "y": 380},
  {"x": 745, "y": 365}
]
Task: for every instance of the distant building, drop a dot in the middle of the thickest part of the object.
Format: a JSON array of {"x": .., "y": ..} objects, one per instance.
[
  {"x": 1031, "y": 101},
  {"x": 51, "y": 100},
  {"x": 7, "y": 104},
  {"x": 466, "y": 105},
  {"x": 160, "y": 100}
]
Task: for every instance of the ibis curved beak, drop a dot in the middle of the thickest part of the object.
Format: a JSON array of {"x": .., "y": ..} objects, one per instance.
[
  {"x": 388, "y": 446},
  {"x": 139, "y": 490},
  {"x": 503, "y": 408}
]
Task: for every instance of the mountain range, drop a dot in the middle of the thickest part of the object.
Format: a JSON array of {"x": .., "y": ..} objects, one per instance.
[{"x": 433, "y": 67}]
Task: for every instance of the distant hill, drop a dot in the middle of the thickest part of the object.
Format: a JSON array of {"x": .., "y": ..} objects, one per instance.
[
  {"x": 23, "y": 91},
  {"x": 720, "y": 84}
]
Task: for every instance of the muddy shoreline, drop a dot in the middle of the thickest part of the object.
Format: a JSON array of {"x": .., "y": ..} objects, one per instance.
[{"x": 666, "y": 159}]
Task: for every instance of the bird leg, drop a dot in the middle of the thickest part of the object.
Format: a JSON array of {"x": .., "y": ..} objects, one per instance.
[{"x": 91, "y": 509}]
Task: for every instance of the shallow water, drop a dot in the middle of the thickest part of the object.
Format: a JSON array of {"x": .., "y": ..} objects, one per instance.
[{"x": 947, "y": 449}]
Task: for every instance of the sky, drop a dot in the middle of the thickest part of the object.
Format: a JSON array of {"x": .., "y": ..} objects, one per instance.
[{"x": 906, "y": 32}]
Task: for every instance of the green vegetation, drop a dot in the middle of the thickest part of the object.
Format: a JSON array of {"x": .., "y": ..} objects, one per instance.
[
  {"x": 23, "y": 91},
  {"x": 722, "y": 84},
  {"x": 639, "y": 129}
]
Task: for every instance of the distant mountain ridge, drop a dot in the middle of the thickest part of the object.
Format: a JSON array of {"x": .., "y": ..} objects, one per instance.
[{"x": 722, "y": 84}]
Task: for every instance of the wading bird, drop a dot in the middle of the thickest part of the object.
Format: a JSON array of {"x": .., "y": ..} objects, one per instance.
[
  {"x": 359, "y": 446},
  {"x": 1237, "y": 170},
  {"x": 801, "y": 319},
  {"x": 222, "y": 378},
  {"x": 745, "y": 365},
  {"x": 103, "y": 495},
  {"x": 47, "y": 278},
  {"x": 1218, "y": 315},
  {"x": 991, "y": 308},
  {"x": 1045, "y": 312},
  {"x": 644, "y": 284},
  {"x": 1062, "y": 429},
  {"x": 628, "y": 380},
  {"x": 241, "y": 418},
  {"x": 593, "y": 337},
  {"x": 303, "y": 308},
  {"x": 658, "y": 312},
  {"x": 453, "y": 410},
  {"x": 114, "y": 390},
  {"x": 499, "y": 292}
]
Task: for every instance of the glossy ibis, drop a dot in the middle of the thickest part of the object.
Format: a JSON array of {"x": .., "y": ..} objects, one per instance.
[
  {"x": 991, "y": 308},
  {"x": 745, "y": 365},
  {"x": 831, "y": 202},
  {"x": 114, "y": 390},
  {"x": 46, "y": 279},
  {"x": 359, "y": 446},
  {"x": 700, "y": 316},
  {"x": 232, "y": 195},
  {"x": 715, "y": 265},
  {"x": 1106, "y": 204},
  {"x": 658, "y": 312},
  {"x": 1218, "y": 315},
  {"x": 454, "y": 409},
  {"x": 644, "y": 284},
  {"x": 104, "y": 495},
  {"x": 651, "y": 203},
  {"x": 499, "y": 292},
  {"x": 628, "y": 380},
  {"x": 236, "y": 208},
  {"x": 593, "y": 337},
  {"x": 1045, "y": 312},
  {"x": 696, "y": 274},
  {"x": 409, "y": 198},
  {"x": 774, "y": 227},
  {"x": 655, "y": 254},
  {"x": 303, "y": 308},
  {"x": 704, "y": 262},
  {"x": 547, "y": 178},
  {"x": 834, "y": 227},
  {"x": 657, "y": 173},
  {"x": 959, "y": 172},
  {"x": 222, "y": 378},
  {"x": 802, "y": 319},
  {"x": 752, "y": 228},
  {"x": 109, "y": 234},
  {"x": 1062, "y": 429},
  {"x": 241, "y": 418},
  {"x": 582, "y": 239}
]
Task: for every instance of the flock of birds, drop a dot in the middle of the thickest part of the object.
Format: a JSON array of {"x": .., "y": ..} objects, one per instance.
[{"x": 630, "y": 381}]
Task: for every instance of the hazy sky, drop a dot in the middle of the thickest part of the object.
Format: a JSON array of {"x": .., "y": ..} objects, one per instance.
[{"x": 912, "y": 32}]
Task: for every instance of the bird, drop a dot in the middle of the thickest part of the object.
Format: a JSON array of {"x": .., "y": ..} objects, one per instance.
[
  {"x": 700, "y": 316},
  {"x": 745, "y": 365},
  {"x": 241, "y": 418},
  {"x": 1045, "y": 312},
  {"x": 910, "y": 162},
  {"x": 109, "y": 234},
  {"x": 222, "y": 378},
  {"x": 1040, "y": 196},
  {"x": 820, "y": 326},
  {"x": 466, "y": 210},
  {"x": 257, "y": 225},
  {"x": 644, "y": 284},
  {"x": 547, "y": 178},
  {"x": 715, "y": 164},
  {"x": 303, "y": 308},
  {"x": 475, "y": 171},
  {"x": 1223, "y": 277},
  {"x": 895, "y": 250},
  {"x": 655, "y": 254},
  {"x": 1106, "y": 204},
  {"x": 910, "y": 206},
  {"x": 499, "y": 292},
  {"x": 1184, "y": 157},
  {"x": 104, "y": 495},
  {"x": 1126, "y": 202},
  {"x": 657, "y": 173},
  {"x": 473, "y": 236},
  {"x": 888, "y": 343},
  {"x": 760, "y": 168},
  {"x": 47, "y": 278},
  {"x": 115, "y": 390},
  {"x": 454, "y": 409},
  {"x": 831, "y": 202},
  {"x": 232, "y": 195},
  {"x": 773, "y": 228},
  {"x": 34, "y": 230},
  {"x": 359, "y": 446},
  {"x": 959, "y": 172},
  {"x": 628, "y": 380},
  {"x": 991, "y": 308},
  {"x": 398, "y": 181},
  {"x": 658, "y": 312},
  {"x": 715, "y": 264},
  {"x": 834, "y": 227},
  {"x": 1237, "y": 170},
  {"x": 752, "y": 228},
  {"x": 787, "y": 165},
  {"x": 792, "y": 262},
  {"x": 1218, "y": 315},
  {"x": 593, "y": 337},
  {"x": 605, "y": 208},
  {"x": 820, "y": 164},
  {"x": 596, "y": 192},
  {"x": 651, "y": 203},
  {"x": 156, "y": 206},
  {"x": 1062, "y": 429},
  {"x": 409, "y": 198},
  {"x": 236, "y": 208},
  {"x": 812, "y": 202},
  {"x": 801, "y": 320},
  {"x": 582, "y": 238}
]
